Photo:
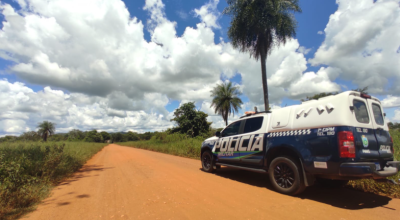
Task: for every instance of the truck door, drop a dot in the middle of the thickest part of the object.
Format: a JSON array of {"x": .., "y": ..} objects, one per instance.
[
  {"x": 229, "y": 140},
  {"x": 367, "y": 148},
  {"x": 381, "y": 130},
  {"x": 251, "y": 145}
]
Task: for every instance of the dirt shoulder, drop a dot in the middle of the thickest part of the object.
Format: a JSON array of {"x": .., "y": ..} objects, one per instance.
[{"x": 127, "y": 183}]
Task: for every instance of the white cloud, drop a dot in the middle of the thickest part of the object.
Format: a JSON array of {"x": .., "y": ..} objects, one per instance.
[
  {"x": 320, "y": 32},
  {"x": 391, "y": 101},
  {"x": 115, "y": 80},
  {"x": 304, "y": 50},
  {"x": 362, "y": 41},
  {"x": 23, "y": 109},
  {"x": 396, "y": 117},
  {"x": 208, "y": 14}
]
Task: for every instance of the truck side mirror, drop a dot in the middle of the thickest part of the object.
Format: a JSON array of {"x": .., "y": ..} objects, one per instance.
[{"x": 218, "y": 133}]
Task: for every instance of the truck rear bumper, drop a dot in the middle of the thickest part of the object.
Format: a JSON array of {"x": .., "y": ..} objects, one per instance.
[{"x": 368, "y": 169}]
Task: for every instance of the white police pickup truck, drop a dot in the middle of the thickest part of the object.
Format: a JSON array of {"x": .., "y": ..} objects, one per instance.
[{"x": 331, "y": 140}]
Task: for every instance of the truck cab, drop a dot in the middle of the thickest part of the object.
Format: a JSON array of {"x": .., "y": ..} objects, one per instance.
[{"x": 333, "y": 139}]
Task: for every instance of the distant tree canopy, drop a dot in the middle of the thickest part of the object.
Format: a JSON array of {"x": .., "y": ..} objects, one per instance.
[
  {"x": 190, "y": 121},
  {"x": 106, "y": 136},
  {"x": 395, "y": 125},
  {"x": 323, "y": 94},
  {"x": 132, "y": 136},
  {"x": 76, "y": 135},
  {"x": 93, "y": 136},
  {"x": 30, "y": 136}
]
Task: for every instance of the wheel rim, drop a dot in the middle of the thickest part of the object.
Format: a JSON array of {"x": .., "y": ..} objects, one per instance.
[
  {"x": 284, "y": 175},
  {"x": 206, "y": 161}
]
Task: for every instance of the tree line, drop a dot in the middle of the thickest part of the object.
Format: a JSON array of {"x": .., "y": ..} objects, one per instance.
[{"x": 78, "y": 135}]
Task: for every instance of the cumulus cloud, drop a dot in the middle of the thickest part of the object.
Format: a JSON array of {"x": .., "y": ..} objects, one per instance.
[
  {"x": 23, "y": 109},
  {"x": 391, "y": 101},
  {"x": 114, "y": 79},
  {"x": 362, "y": 41},
  {"x": 209, "y": 14}
]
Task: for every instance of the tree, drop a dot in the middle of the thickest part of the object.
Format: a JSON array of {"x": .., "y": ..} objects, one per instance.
[
  {"x": 30, "y": 136},
  {"x": 106, "y": 136},
  {"x": 225, "y": 100},
  {"x": 258, "y": 25},
  {"x": 323, "y": 94},
  {"x": 318, "y": 96},
  {"x": 46, "y": 129},
  {"x": 362, "y": 90},
  {"x": 93, "y": 136},
  {"x": 117, "y": 137},
  {"x": 75, "y": 135},
  {"x": 132, "y": 136},
  {"x": 190, "y": 121}
]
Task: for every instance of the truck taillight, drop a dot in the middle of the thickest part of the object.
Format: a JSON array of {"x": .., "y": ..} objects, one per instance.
[{"x": 346, "y": 144}]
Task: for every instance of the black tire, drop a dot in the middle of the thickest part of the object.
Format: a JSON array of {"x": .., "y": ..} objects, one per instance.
[
  {"x": 207, "y": 161},
  {"x": 331, "y": 183},
  {"x": 285, "y": 175}
]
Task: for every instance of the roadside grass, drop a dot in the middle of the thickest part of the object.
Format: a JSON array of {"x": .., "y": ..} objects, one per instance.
[
  {"x": 175, "y": 144},
  {"x": 181, "y": 145},
  {"x": 29, "y": 170}
]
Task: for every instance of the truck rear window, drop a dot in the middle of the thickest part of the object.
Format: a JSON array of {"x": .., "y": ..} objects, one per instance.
[
  {"x": 377, "y": 114},
  {"x": 361, "y": 112}
]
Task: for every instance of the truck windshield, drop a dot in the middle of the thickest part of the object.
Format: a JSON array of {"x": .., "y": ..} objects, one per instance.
[
  {"x": 361, "y": 112},
  {"x": 377, "y": 114}
]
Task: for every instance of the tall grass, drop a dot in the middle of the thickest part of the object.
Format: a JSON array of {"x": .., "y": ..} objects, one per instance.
[
  {"x": 28, "y": 170},
  {"x": 175, "y": 144}
]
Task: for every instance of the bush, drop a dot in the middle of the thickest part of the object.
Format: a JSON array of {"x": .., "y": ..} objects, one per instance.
[
  {"x": 175, "y": 144},
  {"x": 28, "y": 171}
]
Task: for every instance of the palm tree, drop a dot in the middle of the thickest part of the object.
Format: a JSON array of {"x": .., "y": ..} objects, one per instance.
[
  {"x": 226, "y": 100},
  {"x": 258, "y": 25},
  {"x": 46, "y": 129}
]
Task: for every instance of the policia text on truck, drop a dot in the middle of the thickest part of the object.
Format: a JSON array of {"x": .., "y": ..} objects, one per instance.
[{"x": 332, "y": 140}]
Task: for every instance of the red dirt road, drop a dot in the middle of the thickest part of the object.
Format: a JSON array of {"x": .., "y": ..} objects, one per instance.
[{"x": 128, "y": 183}]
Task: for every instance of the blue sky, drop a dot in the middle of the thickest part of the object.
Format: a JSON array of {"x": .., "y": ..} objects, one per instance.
[{"x": 338, "y": 46}]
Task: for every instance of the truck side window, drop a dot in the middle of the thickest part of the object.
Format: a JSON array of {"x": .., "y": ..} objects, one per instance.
[
  {"x": 377, "y": 114},
  {"x": 253, "y": 124},
  {"x": 361, "y": 112},
  {"x": 232, "y": 129}
]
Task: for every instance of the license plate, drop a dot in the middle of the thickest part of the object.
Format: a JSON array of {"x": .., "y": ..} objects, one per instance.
[{"x": 378, "y": 166}]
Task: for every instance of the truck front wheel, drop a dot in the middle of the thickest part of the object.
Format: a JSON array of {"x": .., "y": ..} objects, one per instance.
[
  {"x": 285, "y": 176},
  {"x": 207, "y": 161}
]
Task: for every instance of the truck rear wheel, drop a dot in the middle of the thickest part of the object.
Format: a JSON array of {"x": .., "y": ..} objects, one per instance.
[
  {"x": 285, "y": 176},
  {"x": 207, "y": 161}
]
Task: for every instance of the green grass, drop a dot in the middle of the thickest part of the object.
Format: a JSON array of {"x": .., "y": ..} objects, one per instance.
[
  {"x": 175, "y": 144},
  {"x": 180, "y": 145},
  {"x": 29, "y": 170}
]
